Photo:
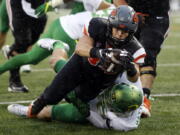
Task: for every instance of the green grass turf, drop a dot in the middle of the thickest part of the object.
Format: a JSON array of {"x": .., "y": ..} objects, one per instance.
[{"x": 165, "y": 118}]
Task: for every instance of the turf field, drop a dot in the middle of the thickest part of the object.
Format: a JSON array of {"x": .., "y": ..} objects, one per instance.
[{"x": 165, "y": 118}]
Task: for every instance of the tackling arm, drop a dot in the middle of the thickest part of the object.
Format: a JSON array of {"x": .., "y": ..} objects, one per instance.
[
  {"x": 127, "y": 123},
  {"x": 112, "y": 121},
  {"x": 84, "y": 45},
  {"x": 136, "y": 74}
]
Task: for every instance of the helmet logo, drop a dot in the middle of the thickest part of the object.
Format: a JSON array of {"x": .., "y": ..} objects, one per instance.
[{"x": 133, "y": 107}]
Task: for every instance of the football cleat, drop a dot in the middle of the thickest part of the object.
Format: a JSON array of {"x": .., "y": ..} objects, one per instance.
[
  {"x": 17, "y": 87},
  {"x": 146, "y": 108},
  {"x": 18, "y": 109},
  {"x": 5, "y": 51},
  {"x": 25, "y": 68},
  {"x": 15, "y": 83}
]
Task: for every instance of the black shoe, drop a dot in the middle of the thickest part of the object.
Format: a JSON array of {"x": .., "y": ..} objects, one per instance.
[
  {"x": 15, "y": 84},
  {"x": 17, "y": 87}
]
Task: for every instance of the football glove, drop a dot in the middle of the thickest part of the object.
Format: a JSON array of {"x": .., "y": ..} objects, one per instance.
[
  {"x": 126, "y": 60},
  {"x": 83, "y": 108},
  {"x": 105, "y": 55},
  {"x": 122, "y": 60}
]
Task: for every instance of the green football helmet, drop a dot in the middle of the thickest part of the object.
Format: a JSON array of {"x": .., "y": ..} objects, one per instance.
[{"x": 122, "y": 98}]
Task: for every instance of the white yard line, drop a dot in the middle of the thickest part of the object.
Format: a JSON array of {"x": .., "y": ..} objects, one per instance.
[
  {"x": 174, "y": 34},
  {"x": 169, "y": 65},
  {"x": 16, "y": 102},
  {"x": 170, "y": 46},
  {"x": 166, "y": 95},
  {"x": 153, "y": 95},
  {"x": 41, "y": 69}
]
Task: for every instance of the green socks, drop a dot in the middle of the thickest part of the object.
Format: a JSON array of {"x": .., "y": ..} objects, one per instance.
[{"x": 59, "y": 65}]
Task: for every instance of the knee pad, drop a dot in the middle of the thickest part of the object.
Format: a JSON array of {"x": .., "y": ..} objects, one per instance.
[
  {"x": 150, "y": 61},
  {"x": 150, "y": 72}
]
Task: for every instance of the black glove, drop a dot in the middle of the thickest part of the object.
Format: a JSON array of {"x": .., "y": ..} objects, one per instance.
[
  {"x": 82, "y": 107},
  {"x": 111, "y": 60},
  {"x": 121, "y": 57},
  {"x": 102, "y": 54},
  {"x": 125, "y": 59}
]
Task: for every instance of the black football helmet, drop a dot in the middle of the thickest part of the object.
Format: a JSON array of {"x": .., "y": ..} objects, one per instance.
[{"x": 124, "y": 17}]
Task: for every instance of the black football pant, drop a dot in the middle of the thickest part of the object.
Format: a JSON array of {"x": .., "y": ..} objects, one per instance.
[{"x": 87, "y": 80}]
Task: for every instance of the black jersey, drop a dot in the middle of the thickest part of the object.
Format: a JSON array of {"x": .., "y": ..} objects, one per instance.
[
  {"x": 27, "y": 6},
  {"x": 35, "y": 3},
  {"x": 98, "y": 29},
  {"x": 152, "y": 7}
]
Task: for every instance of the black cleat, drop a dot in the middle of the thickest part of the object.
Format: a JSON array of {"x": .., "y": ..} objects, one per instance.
[
  {"x": 15, "y": 83},
  {"x": 17, "y": 87}
]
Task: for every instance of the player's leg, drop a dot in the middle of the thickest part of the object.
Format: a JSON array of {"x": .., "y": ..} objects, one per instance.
[
  {"x": 4, "y": 23},
  {"x": 67, "y": 113},
  {"x": 59, "y": 56},
  {"x": 21, "y": 25},
  {"x": 37, "y": 27},
  {"x": 39, "y": 52},
  {"x": 34, "y": 56},
  {"x": 152, "y": 37},
  {"x": 63, "y": 48},
  {"x": 71, "y": 75},
  {"x": 63, "y": 112}
]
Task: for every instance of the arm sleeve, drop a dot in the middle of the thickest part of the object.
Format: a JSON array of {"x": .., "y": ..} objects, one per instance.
[
  {"x": 91, "y": 5},
  {"x": 97, "y": 120},
  {"x": 127, "y": 123}
]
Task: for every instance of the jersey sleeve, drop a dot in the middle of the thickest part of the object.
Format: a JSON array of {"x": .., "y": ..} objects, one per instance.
[
  {"x": 125, "y": 123},
  {"x": 96, "y": 119},
  {"x": 97, "y": 29},
  {"x": 91, "y": 5},
  {"x": 139, "y": 56},
  {"x": 112, "y": 121}
]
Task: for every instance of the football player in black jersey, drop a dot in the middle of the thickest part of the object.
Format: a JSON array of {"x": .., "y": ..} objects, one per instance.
[
  {"x": 26, "y": 28},
  {"x": 101, "y": 56},
  {"x": 151, "y": 33}
]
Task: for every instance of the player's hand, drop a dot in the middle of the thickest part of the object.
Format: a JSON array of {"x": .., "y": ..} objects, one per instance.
[
  {"x": 43, "y": 9},
  {"x": 116, "y": 56},
  {"x": 126, "y": 61},
  {"x": 124, "y": 58}
]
